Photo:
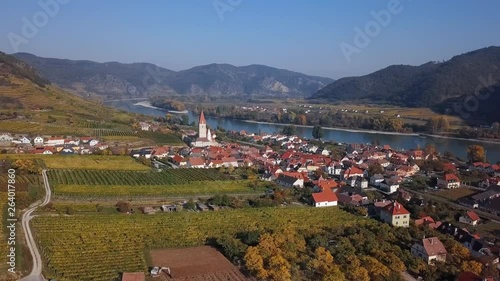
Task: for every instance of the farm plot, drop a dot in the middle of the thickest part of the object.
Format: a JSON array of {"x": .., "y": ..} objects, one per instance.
[
  {"x": 197, "y": 263},
  {"x": 103, "y": 177},
  {"x": 99, "y": 247},
  {"x": 22, "y": 182},
  {"x": 93, "y": 162},
  {"x": 190, "y": 189}
]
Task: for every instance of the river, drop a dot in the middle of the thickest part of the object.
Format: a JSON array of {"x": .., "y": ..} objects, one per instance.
[{"x": 457, "y": 147}]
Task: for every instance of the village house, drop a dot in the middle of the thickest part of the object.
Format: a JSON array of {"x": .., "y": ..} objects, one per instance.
[
  {"x": 376, "y": 180},
  {"x": 144, "y": 126},
  {"x": 395, "y": 214},
  {"x": 290, "y": 181},
  {"x": 55, "y": 141},
  {"x": 430, "y": 250},
  {"x": 196, "y": 162},
  {"x": 333, "y": 169},
  {"x": 5, "y": 137},
  {"x": 229, "y": 162},
  {"x": 24, "y": 140},
  {"x": 325, "y": 198},
  {"x": 389, "y": 185},
  {"x": 469, "y": 217},
  {"x": 351, "y": 172},
  {"x": 448, "y": 181},
  {"x": 470, "y": 276},
  {"x": 38, "y": 141}
]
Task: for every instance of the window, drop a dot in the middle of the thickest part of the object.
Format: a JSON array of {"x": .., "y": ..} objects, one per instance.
[{"x": 404, "y": 217}]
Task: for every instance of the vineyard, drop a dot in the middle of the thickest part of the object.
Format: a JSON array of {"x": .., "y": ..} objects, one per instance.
[
  {"x": 99, "y": 247},
  {"x": 98, "y": 133},
  {"x": 34, "y": 128},
  {"x": 191, "y": 189},
  {"x": 102, "y": 177},
  {"x": 22, "y": 182},
  {"x": 93, "y": 162}
]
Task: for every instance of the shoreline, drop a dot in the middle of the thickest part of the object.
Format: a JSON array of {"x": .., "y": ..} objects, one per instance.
[
  {"x": 458, "y": 138},
  {"x": 148, "y": 105},
  {"x": 338, "y": 129}
]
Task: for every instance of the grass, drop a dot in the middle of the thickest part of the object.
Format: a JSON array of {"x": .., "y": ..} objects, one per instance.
[
  {"x": 191, "y": 189},
  {"x": 99, "y": 247},
  {"x": 455, "y": 194}
]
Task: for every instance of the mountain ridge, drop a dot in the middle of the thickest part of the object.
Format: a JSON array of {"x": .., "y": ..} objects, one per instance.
[
  {"x": 425, "y": 85},
  {"x": 121, "y": 80}
]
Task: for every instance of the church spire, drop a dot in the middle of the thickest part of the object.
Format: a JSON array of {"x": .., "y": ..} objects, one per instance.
[{"x": 202, "y": 118}]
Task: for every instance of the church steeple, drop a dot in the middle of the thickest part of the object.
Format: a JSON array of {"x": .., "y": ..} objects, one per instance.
[
  {"x": 202, "y": 126},
  {"x": 202, "y": 118}
]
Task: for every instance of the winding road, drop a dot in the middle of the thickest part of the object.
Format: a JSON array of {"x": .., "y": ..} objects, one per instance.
[{"x": 36, "y": 272}]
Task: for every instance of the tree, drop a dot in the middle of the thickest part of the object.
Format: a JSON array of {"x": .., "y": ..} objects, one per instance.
[
  {"x": 322, "y": 265},
  {"x": 317, "y": 132},
  {"x": 301, "y": 119},
  {"x": 375, "y": 168},
  {"x": 430, "y": 149},
  {"x": 472, "y": 266},
  {"x": 123, "y": 207},
  {"x": 476, "y": 153},
  {"x": 289, "y": 130},
  {"x": 255, "y": 263},
  {"x": 190, "y": 205}
]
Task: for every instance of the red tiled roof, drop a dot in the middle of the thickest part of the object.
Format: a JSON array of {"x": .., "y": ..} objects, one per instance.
[
  {"x": 473, "y": 216},
  {"x": 449, "y": 177},
  {"x": 395, "y": 209},
  {"x": 196, "y": 161},
  {"x": 424, "y": 220},
  {"x": 325, "y": 196},
  {"x": 433, "y": 246}
]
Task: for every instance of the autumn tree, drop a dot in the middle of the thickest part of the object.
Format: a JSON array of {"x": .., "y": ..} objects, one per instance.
[
  {"x": 354, "y": 270},
  {"x": 376, "y": 269},
  {"x": 476, "y": 153},
  {"x": 375, "y": 168},
  {"x": 323, "y": 266},
  {"x": 301, "y": 119},
  {"x": 472, "y": 266}
]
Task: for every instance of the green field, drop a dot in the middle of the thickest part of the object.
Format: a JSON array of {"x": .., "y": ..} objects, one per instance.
[
  {"x": 99, "y": 247},
  {"x": 190, "y": 189},
  {"x": 167, "y": 177}
]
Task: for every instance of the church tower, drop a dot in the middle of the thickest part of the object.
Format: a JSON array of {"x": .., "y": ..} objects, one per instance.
[{"x": 202, "y": 126}]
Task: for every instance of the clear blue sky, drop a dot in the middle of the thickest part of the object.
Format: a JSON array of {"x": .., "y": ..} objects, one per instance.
[{"x": 297, "y": 35}]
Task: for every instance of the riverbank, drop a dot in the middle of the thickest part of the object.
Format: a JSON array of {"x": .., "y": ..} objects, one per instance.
[
  {"x": 338, "y": 129},
  {"x": 463, "y": 139},
  {"x": 148, "y": 105}
]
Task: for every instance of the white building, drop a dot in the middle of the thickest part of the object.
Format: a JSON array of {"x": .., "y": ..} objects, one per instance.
[
  {"x": 6, "y": 137},
  {"x": 205, "y": 136},
  {"x": 470, "y": 217},
  {"x": 430, "y": 250},
  {"x": 326, "y": 198},
  {"x": 38, "y": 141}
]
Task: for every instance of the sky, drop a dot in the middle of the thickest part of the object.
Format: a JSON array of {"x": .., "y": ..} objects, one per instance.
[{"x": 322, "y": 37}]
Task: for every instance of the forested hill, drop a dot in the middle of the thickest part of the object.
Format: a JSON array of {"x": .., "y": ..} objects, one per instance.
[
  {"x": 419, "y": 86},
  {"x": 115, "y": 80}
]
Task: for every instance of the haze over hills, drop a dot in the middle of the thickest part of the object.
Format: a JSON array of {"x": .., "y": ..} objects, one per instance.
[
  {"x": 419, "y": 86},
  {"x": 117, "y": 80}
]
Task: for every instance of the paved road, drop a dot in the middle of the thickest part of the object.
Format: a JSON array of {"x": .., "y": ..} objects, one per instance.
[{"x": 36, "y": 272}]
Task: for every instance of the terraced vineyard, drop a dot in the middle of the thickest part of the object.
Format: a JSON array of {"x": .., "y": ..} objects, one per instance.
[
  {"x": 98, "y": 247},
  {"x": 190, "y": 189},
  {"x": 112, "y": 132},
  {"x": 100, "y": 177},
  {"x": 35, "y": 128},
  {"x": 93, "y": 162},
  {"x": 22, "y": 182}
]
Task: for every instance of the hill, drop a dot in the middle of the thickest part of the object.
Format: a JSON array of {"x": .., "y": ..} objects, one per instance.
[
  {"x": 115, "y": 80},
  {"x": 419, "y": 86},
  {"x": 31, "y": 105}
]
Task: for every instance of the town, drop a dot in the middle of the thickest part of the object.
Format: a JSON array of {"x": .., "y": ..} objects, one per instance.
[{"x": 400, "y": 188}]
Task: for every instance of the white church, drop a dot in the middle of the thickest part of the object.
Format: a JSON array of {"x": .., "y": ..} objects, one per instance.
[{"x": 205, "y": 136}]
